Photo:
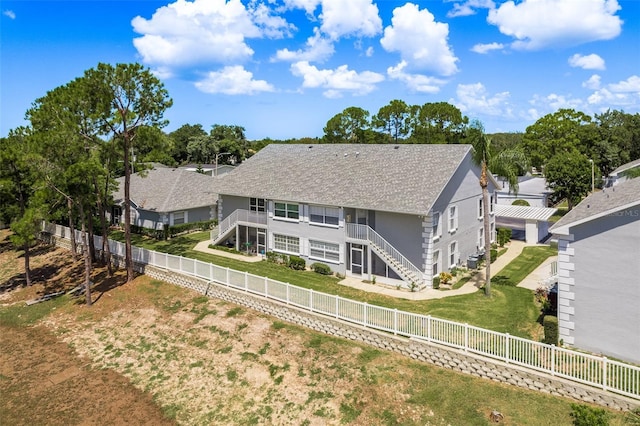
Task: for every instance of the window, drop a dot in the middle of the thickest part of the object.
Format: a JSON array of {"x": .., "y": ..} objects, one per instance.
[
  {"x": 436, "y": 263},
  {"x": 286, "y": 210},
  {"x": 492, "y": 231},
  {"x": 481, "y": 237},
  {"x": 453, "y": 218},
  {"x": 436, "y": 225},
  {"x": 178, "y": 218},
  {"x": 453, "y": 254},
  {"x": 286, "y": 243},
  {"x": 325, "y": 251},
  {"x": 257, "y": 204},
  {"x": 492, "y": 201},
  {"x": 324, "y": 215},
  {"x": 480, "y": 212}
]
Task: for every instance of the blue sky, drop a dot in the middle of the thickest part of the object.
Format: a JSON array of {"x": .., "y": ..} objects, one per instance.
[{"x": 283, "y": 68}]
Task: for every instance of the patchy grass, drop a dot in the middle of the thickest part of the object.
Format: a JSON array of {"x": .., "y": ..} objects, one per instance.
[{"x": 530, "y": 258}]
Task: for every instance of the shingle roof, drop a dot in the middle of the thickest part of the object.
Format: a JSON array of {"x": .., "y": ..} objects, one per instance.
[
  {"x": 627, "y": 166},
  {"x": 598, "y": 204},
  {"x": 168, "y": 190},
  {"x": 396, "y": 178}
]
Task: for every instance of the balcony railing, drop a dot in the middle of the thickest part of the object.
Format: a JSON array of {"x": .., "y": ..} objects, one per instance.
[{"x": 239, "y": 215}]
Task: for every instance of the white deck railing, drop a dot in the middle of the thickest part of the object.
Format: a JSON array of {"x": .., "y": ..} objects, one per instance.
[
  {"x": 596, "y": 371},
  {"x": 239, "y": 215}
]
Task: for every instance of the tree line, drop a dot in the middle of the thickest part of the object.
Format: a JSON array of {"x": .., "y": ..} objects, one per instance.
[{"x": 109, "y": 123}]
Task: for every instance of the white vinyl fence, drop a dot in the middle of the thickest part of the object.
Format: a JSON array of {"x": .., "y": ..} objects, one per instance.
[{"x": 588, "y": 369}]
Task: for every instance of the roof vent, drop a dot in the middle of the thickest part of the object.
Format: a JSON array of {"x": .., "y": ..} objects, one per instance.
[
  {"x": 396, "y": 147},
  {"x": 588, "y": 205},
  {"x": 357, "y": 153},
  {"x": 310, "y": 146},
  {"x": 346, "y": 153}
]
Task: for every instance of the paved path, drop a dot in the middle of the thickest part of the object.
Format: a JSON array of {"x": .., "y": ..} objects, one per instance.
[
  {"x": 532, "y": 281},
  {"x": 203, "y": 246}
]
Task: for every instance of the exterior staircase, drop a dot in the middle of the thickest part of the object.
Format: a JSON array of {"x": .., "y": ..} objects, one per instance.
[
  {"x": 402, "y": 266},
  {"x": 240, "y": 216}
]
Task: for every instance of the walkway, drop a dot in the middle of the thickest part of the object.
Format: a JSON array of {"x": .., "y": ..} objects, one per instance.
[{"x": 532, "y": 281}]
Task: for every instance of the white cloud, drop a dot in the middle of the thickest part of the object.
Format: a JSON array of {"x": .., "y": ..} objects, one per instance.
[
  {"x": 537, "y": 24},
  {"x": 342, "y": 18},
  {"x": 421, "y": 41},
  {"x": 593, "y": 83},
  {"x": 337, "y": 81},
  {"x": 309, "y": 6},
  {"x": 484, "y": 48},
  {"x": 317, "y": 49},
  {"x": 369, "y": 51},
  {"x": 9, "y": 14},
  {"x": 203, "y": 31},
  {"x": 469, "y": 7},
  {"x": 554, "y": 102},
  {"x": 474, "y": 98},
  {"x": 630, "y": 85},
  {"x": 415, "y": 82},
  {"x": 232, "y": 80},
  {"x": 587, "y": 62}
]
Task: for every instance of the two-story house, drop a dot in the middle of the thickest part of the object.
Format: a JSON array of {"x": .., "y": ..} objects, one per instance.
[
  {"x": 598, "y": 270},
  {"x": 399, "y": 213}
]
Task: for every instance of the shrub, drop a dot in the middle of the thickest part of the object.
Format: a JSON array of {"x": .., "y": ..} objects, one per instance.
[
  {"x": 172, "y": 231},
  {"x": 550, "y": 324},
  {"x": 583, "y": 415},
  {"x": 493, "y": 255},
  {"x": 436, "y": 283},
  {"x": 297, "y": 263},
  {"x": 445, "y": 277},
  {"x": 279, "y": 258},
  {"x": 520, "y": 203},
  {"x": 321, "y": 268},
  {"x": 504, "y": 236}
]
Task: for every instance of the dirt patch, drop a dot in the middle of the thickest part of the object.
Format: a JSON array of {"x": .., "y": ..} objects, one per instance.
[{"x": 207, "y": 362}]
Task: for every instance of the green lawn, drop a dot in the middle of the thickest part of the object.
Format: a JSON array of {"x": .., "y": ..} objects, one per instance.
[{"x": 509, "y": 310}]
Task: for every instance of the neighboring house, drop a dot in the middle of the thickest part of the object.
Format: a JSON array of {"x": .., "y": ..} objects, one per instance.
[
  {"x": 210, "y": 169},
  {"x": 618, "y": 175},
  {"x": 399, "y": 213},
  {"x": 598, "y": 268},
  {"x": 165, "y": 196},
  {"x": 533, "y": 190}
]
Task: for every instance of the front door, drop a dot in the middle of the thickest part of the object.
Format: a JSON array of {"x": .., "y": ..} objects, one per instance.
[
  {"x": 356, "y": 259},
  {"x": 262, "y": 242}
]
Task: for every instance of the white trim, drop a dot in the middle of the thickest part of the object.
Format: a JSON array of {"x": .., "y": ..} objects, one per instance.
[{"x": 453, "y": 218}]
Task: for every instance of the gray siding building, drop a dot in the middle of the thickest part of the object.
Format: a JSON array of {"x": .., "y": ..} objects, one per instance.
[
  {"x": 165, "y": 196},
  {"x": 599, "y": 270},
  {"x": 399, "y": 213}
]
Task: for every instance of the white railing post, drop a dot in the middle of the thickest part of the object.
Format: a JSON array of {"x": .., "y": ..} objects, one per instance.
[
  {"x": 246, "y": 281},
  {"x": 395, "y": 321},
  {"x": 227, "y": 280},
  {"x": 429, "y": 328},
  {"x": 507, "y": 355},
  {"x": 604, "y": 373},
  {"x": 365, "y": 314},
  {"x": 311, "y": 299},
  {"x": 266, "y": 286},
  {"x": 466, "y": 337},
  {"x": 288, "y": 293},
  {"x": 553, "y": 360},
  {"x": 337, "y": 305}
]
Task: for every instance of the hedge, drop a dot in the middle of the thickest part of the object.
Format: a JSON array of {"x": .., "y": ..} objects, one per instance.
[{"x": 321, "y": 268}]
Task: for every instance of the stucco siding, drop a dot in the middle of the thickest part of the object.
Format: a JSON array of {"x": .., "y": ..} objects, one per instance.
[
  {"x": 599, "y": 288},
  {"x": 146, "y": 219}
]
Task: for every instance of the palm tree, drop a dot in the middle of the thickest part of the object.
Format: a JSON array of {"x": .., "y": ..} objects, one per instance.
[{"x": 506, "y": 163}]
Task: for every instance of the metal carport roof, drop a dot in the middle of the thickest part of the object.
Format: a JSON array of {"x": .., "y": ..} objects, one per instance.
[{"x": 524, "y": 212}]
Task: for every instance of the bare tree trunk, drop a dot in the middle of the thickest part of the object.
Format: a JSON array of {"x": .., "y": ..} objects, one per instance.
[
  {"x": 92, "y": 247},
  {"x": 72, "y": 229},
  {"x": 87, "y": 258},
  {"x": 106, "y": 251},
  {"x": 27, "y": 267},
  {"x": 127, "y": 213}
]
